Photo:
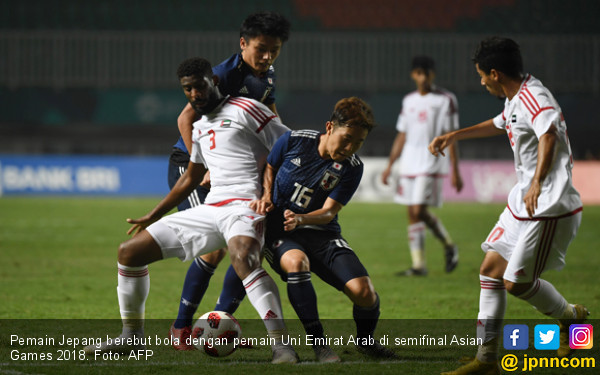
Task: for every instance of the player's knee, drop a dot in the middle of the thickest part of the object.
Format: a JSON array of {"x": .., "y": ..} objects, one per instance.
[
  {"x": 361, "y": 291},
  {"x": 517, "y": 289},
  {"x": 245, "y": 254},
  {"x": 295, "y": 261},
  {"x": 127, "y": 254}
]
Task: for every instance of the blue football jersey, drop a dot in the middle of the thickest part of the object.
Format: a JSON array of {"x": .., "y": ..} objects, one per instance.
[
  {"x": 304, "y": 180},
  {"x": 236, "y": 79}
]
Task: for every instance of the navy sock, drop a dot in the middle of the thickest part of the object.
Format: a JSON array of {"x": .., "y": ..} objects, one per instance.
[
  {"x": 194, "y": 286},
  {"x": 366, "y": 319},
  {"x": 233, "y": 292},
  {"x": 304, "y": 300}
]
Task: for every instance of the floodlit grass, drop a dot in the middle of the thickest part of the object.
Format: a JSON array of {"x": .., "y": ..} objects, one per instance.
[{"x": 58, "y": 261}]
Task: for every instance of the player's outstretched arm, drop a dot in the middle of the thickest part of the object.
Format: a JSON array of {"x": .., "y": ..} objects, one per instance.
[
  {"x": 395, "y": 153},
  {"x": 188, "y": 181},
  {"x": 321, "y": 216},
  {"x": 546, "y": 152},
  {"x": 481, "y": 130},
  {"x": 185, "y": 123}
]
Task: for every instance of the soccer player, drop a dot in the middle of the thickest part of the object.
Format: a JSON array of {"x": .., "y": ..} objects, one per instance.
[
  {"x": 309, "y": 178},
  {"x": 232, "y": 139},
  {"x": 249, "y": 74},
  {"x": 543, "y": 211},
  {"x": 426, "y": 113}
]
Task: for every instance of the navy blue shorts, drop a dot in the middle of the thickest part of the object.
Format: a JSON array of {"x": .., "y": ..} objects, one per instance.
[
  {"x": 198, "y": 195},
  {"x": 330, "y": 256}
]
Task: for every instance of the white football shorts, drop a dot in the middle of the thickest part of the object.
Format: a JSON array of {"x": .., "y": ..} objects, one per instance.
[
  {"x": 531, "y": 246},
  {"x": 419, "y": 190},
  {"x": 202, "y": 229}
]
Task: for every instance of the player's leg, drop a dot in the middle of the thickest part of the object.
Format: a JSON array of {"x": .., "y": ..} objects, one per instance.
[
  {"x": 439, "y": 231},
  {"x": 543, "y": 246},
  {"x": 232, "y": 293},
  {"x": 295, "y": 268},
  {"x": 194, "y": 286},
  {"x": 337, "y": 265},
  {"x": 133, "y": 286},
  {"x": 492, "y": 296},
  {"x": 416, "y": 243},
  {"x": 262, "y": 293}
]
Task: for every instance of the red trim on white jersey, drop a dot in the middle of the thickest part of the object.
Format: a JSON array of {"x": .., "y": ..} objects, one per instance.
[
  {"x": 227, "y": 201},
  {"x": 544, "y": 218},
  {"x": 258, "y": 114},
  {"x": 538, "y": 112}
]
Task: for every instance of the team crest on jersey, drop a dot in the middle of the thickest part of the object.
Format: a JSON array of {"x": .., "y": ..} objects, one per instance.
[
  {"x": 270, "y": 80},
  {"x": 513, "y": 118},
  {"x": 329, "y": 180},
  {"x": 225, "y": 123}
]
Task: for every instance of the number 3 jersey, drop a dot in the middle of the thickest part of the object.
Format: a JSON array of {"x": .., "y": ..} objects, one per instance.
[
  {"x": 528, "y": 116},
  {"x": 304, "y": 180},
  {"x": 233, "y": 142}
]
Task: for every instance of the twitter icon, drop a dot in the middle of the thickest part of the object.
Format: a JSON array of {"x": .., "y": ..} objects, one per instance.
[{"x": 546, "y": 336}]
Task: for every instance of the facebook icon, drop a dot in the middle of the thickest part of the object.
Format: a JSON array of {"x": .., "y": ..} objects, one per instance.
[{"x": 516, "y": 337}]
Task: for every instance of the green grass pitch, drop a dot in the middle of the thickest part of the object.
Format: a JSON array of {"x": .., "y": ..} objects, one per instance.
[{"x": 58, "y": 262}]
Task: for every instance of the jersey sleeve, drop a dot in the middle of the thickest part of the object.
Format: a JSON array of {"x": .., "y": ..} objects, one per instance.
[
  {"x": 196, "y": 154},
  {"x": 500, "y": 121},
  {"x": 277, "y": 154},
  {"x": 543, "y": 112},
  {"x": 344, "y": 191},
  {"x": 401, "y": 122}
]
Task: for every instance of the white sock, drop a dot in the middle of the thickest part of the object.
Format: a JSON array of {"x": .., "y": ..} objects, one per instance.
[
  {"x": 416, "y": 243},
  {"x": 544, "y": 297},
  {"x": 132, "y": 290},
  {"x": 492, "y": 306},
  {"x": 264, "y": 296},
  {"x": 439, "y": 231}
]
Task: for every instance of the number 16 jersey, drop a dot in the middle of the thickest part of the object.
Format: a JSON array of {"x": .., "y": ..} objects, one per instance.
[{"x": 304, "y": 180}]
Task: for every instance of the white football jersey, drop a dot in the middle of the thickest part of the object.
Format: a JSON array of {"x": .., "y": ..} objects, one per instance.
[
  {"x": 233, "y": 142},
  {"x": 423, "y": 118},
  {"x": 526, "y": 117}
]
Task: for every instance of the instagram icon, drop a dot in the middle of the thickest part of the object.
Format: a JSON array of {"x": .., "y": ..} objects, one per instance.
[{"x": 581, "y": 336}]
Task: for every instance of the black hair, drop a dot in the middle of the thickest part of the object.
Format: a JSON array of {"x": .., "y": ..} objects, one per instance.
[
  {"x": 265, "y": 23},
  {"x": 501, "y": 54},
  {"x": 423, "y": 62},
  {"x": 195, "y": 66},
  {"x": 353, "y": 112}
]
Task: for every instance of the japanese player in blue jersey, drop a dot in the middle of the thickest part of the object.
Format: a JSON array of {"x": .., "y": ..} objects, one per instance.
[
  {"x": 308, "y": 179},
  {"x": 249, "y": 74}
]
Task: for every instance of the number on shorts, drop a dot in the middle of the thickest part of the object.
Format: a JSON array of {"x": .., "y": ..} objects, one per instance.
[{"x": 496, "y": 234}]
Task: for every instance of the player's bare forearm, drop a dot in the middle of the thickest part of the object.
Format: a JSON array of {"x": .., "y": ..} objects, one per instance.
[
  {"x": 481, "y": 130},
  {"x": 545, "y": 160},
  {"x": 457, "y": 181},
  {"x": 265, "y": 203},
  {"x": 321, "y": 216},
  {"x": 273, "y": 108},
  {"x": 395, "y": 153},
  {"x": 188, "y": 181},
  {"x": 185, "y": 123}
]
